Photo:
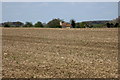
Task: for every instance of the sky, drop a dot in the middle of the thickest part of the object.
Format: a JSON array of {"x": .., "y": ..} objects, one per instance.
[
  {"x": 0, "y": 12},
  {"x": 46, "y": 11},
  {"x": 119, "y": 8}
]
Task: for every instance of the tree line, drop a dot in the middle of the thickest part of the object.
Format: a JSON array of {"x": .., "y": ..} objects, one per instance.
[{"x": 55, "y": 23}]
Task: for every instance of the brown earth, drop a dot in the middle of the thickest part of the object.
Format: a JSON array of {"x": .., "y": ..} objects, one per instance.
[{"x": 59, "y": 53}]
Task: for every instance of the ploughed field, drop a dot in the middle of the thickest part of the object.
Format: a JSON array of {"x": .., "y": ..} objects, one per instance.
[{"x": 60, "y": 53}]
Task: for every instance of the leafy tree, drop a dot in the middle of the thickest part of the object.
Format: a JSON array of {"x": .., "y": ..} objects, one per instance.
[
  {"x": 6, "y": 25},
  {"x": 55, "y": 23},
  {"x": 18, "y": 24},
  {"x": 77, "y": 25},
  {"x": 111, "y": 25},
  {"x": 28, "y": 24},
  {"x": 12, "y": 24},
  {"x": 82, "y": 25},
  {"x": 45, "y": 25},
  {"x": 108, "y": 25},
  {"x": 38, "y": 24},
  {"x": 90, "y": 26},
  {"x": 116, "y": 25},
  {"x": 99, "y": 25},
  {"x": 72, "y": 23},
  {"x": 87, "y": 25}
]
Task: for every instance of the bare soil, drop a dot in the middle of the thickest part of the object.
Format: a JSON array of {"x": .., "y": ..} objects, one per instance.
[{"x": 59, "y": 53}]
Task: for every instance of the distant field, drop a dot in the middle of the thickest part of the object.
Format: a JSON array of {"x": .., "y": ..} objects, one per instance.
[{"x": 60, "y": 53}]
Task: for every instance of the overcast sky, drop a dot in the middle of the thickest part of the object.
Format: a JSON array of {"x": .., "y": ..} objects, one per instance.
[{"x": 46, "y": 11}]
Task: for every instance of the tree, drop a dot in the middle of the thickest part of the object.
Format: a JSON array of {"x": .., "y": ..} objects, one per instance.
[
  {"x": 45, "y": 25},
  {"x": 72, "y": 23},
  {"x": 108, "y": 25},
  {"x": 90, "y": 26},
  {"x": 38, "y": 24},
  {"x": 28, "y": 24},
  {"x": 116, "y": 25},
  {"x": 82, "y": 24},
  {"x": 13, "y": 24},
  {"x": 111, "y": 25},
  {"x": 6, "y": 25},
  {"x": 55, "y": 23},
  {"x": 77, "y": 25},
  {"x": 17, "y": 24}
]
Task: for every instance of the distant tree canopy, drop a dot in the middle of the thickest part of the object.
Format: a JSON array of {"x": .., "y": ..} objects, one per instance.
[
  {"x": 38, "y": 24},
  {"x": 12, "y": 24},
  {"x": 115, "y": 22},
  {"x": 83, "y": 24},
  {"x": 77, "y": 25},
  {"x": 116, "y": 25},
  {"x": 18, "y": 24},
  {"x": 6, "y": 25},
  {"x": 72, "y": 21},
  {"x": 111, "y": 25},
  {"x": 55, "y": 23},
  {"x": 28, "y": 24},
  {"x": 108, "y": 25}
]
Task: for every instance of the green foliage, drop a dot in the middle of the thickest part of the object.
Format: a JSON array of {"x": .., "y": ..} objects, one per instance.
[
  {"x": 13, "y": 24},
  {"x": 111, "y": 25},
  {"x": 38, "y": 24},
  {"x": 98, "y": 26},
  {"x": 82, "y": 25},
  {"x": 18, "y": 24},
  {"x": 44, "y": 25},
  {"x": 28, "y": 24},
  {"x": 77, "y": 25},
  {"x": 116, "y": 25},
  {"x": 6, "y": 25},
  {"x": 55, "y": 23}
]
